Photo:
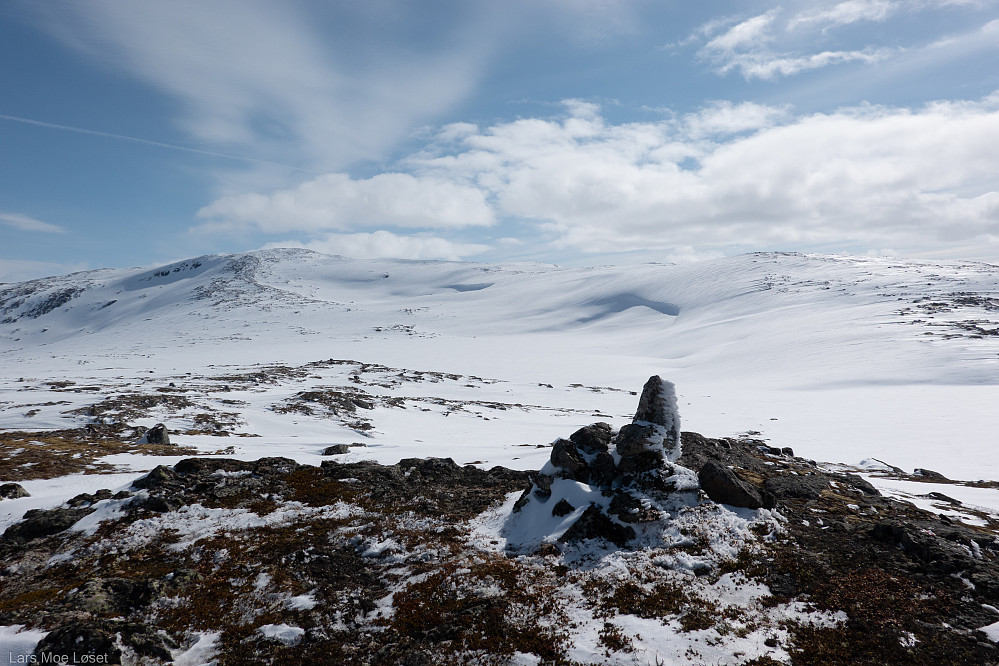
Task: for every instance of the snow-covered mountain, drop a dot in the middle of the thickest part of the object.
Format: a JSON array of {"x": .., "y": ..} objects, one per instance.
[
  {"x": 274, "y": 371},
  {"x": 841, "y": 358}
]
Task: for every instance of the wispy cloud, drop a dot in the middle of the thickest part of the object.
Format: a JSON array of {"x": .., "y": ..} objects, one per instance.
[
  {"x": 765, "y": 65},
  {"x": 338, "y": 202},
  {"x": 25, "y": 223},
  {"x": 263, "y": 76},
  {"x": 845, "y": 13},
  {"x": 758, "y": 47},
  {"x": 750, "y": 34}
]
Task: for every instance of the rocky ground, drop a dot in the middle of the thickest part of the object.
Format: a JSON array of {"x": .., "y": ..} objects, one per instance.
[{"x": 733, "y": 552}]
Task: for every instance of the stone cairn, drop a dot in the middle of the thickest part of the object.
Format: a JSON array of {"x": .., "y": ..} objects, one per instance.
[{"x": 632, "y": 467}]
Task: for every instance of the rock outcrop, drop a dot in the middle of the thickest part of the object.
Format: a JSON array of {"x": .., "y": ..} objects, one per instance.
[{"x": 599, "y": 484}]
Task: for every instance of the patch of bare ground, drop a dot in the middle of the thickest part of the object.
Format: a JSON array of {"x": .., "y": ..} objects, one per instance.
[
  {"x": 46, "y": 455},
  {"x": 379, "y": 564}
]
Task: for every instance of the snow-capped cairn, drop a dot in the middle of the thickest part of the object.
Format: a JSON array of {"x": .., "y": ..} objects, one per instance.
[{"x": 599, "y": 484}]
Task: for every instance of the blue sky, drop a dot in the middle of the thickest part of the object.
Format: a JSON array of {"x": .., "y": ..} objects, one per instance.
[{"x": 571, "y": 131}]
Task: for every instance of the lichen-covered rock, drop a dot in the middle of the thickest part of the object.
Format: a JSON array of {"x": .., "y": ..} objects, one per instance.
[
  {"x": 804, "y": 487},
  {"x": 78, "y": 642},
  {"x": 657, "y": 405},
  {"x": 12, "y": 491},
  {"x": 724, "y": 486},
  {"x": 39, "y": 523}
]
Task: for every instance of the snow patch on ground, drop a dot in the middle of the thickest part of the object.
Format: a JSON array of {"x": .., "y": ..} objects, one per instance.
[{"x": 18, "y": 644}]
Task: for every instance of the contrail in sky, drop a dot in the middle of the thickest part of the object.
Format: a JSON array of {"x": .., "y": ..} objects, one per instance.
[{"x": 147, "y": 142}]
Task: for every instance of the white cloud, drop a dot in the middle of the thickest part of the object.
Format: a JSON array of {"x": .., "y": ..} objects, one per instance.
[
  {"x": 25, "y": 223},
  {"x": 723, "y": 117},
  {"x": 751, "y": 33},
  {"x": 338, "y": 202},
  {"x": 887, "y": 177},
  {"x": 751, "y": 47},
  {"x": 845, "y": 13},
  {"x": 319, "y": 87},
  {"x": 386, "y": 245}
]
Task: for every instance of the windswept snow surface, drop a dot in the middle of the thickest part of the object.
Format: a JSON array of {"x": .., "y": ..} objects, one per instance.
[{"x": 841, "y": 358}]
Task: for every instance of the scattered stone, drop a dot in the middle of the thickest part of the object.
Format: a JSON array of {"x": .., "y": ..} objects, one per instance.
[
  {"x": 13, "y": 491},
  {"x": 944, "y": 498},
  {"x": 930, "y": 474},
  {"x": 158, "y": 434},
  {"x": 859, "y": 483},
  {"x": 83, "y": 499},
  {"x": 563, "y": 508},
  {"x": 336, "y": 450}
]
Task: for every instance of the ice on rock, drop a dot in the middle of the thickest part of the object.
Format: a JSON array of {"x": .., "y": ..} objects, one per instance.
[{"x": 658, "y": 407}]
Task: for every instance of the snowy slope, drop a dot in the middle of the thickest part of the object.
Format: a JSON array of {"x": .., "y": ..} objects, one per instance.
[{"x": 841, "y": 358}]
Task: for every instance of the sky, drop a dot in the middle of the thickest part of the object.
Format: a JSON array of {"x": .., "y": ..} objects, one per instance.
[{"x": 566, "y": 131}]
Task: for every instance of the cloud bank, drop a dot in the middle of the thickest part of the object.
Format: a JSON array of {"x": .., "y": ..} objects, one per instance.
[{"x": 743, "y": 175}]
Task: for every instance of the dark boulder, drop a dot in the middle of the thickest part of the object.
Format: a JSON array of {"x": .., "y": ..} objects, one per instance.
[
  {"x": 724, "y": 486},
  {"x": 39, "y": 523},
  {"x": 633, "y": 439},
  {"x": 157, "y": 477},
  {"x": 159, "y": 504},
  {"x": 76, "y": 643},
  {"x": 567, "y": 458},
  {"x": 336, "y": 450},
  {"x": 594, "y": 524},
  {"x": 562, "y": 508},
  {"x": 158, "y": 434},
  {"x": 12, "y": 491},
  {"x": 630, "y": 509},
  {"x": 431, "y": 470},
  {"x": 858, "y": 483},
  {"x": 640, "y": 463},
  {"x": 924, "y": 545},
  {"x": 200, "y": 466},
  {"x": 602, "y": 470},
  {"x": 930, "y": 474},
  {"x": 594, "y": 438}
]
